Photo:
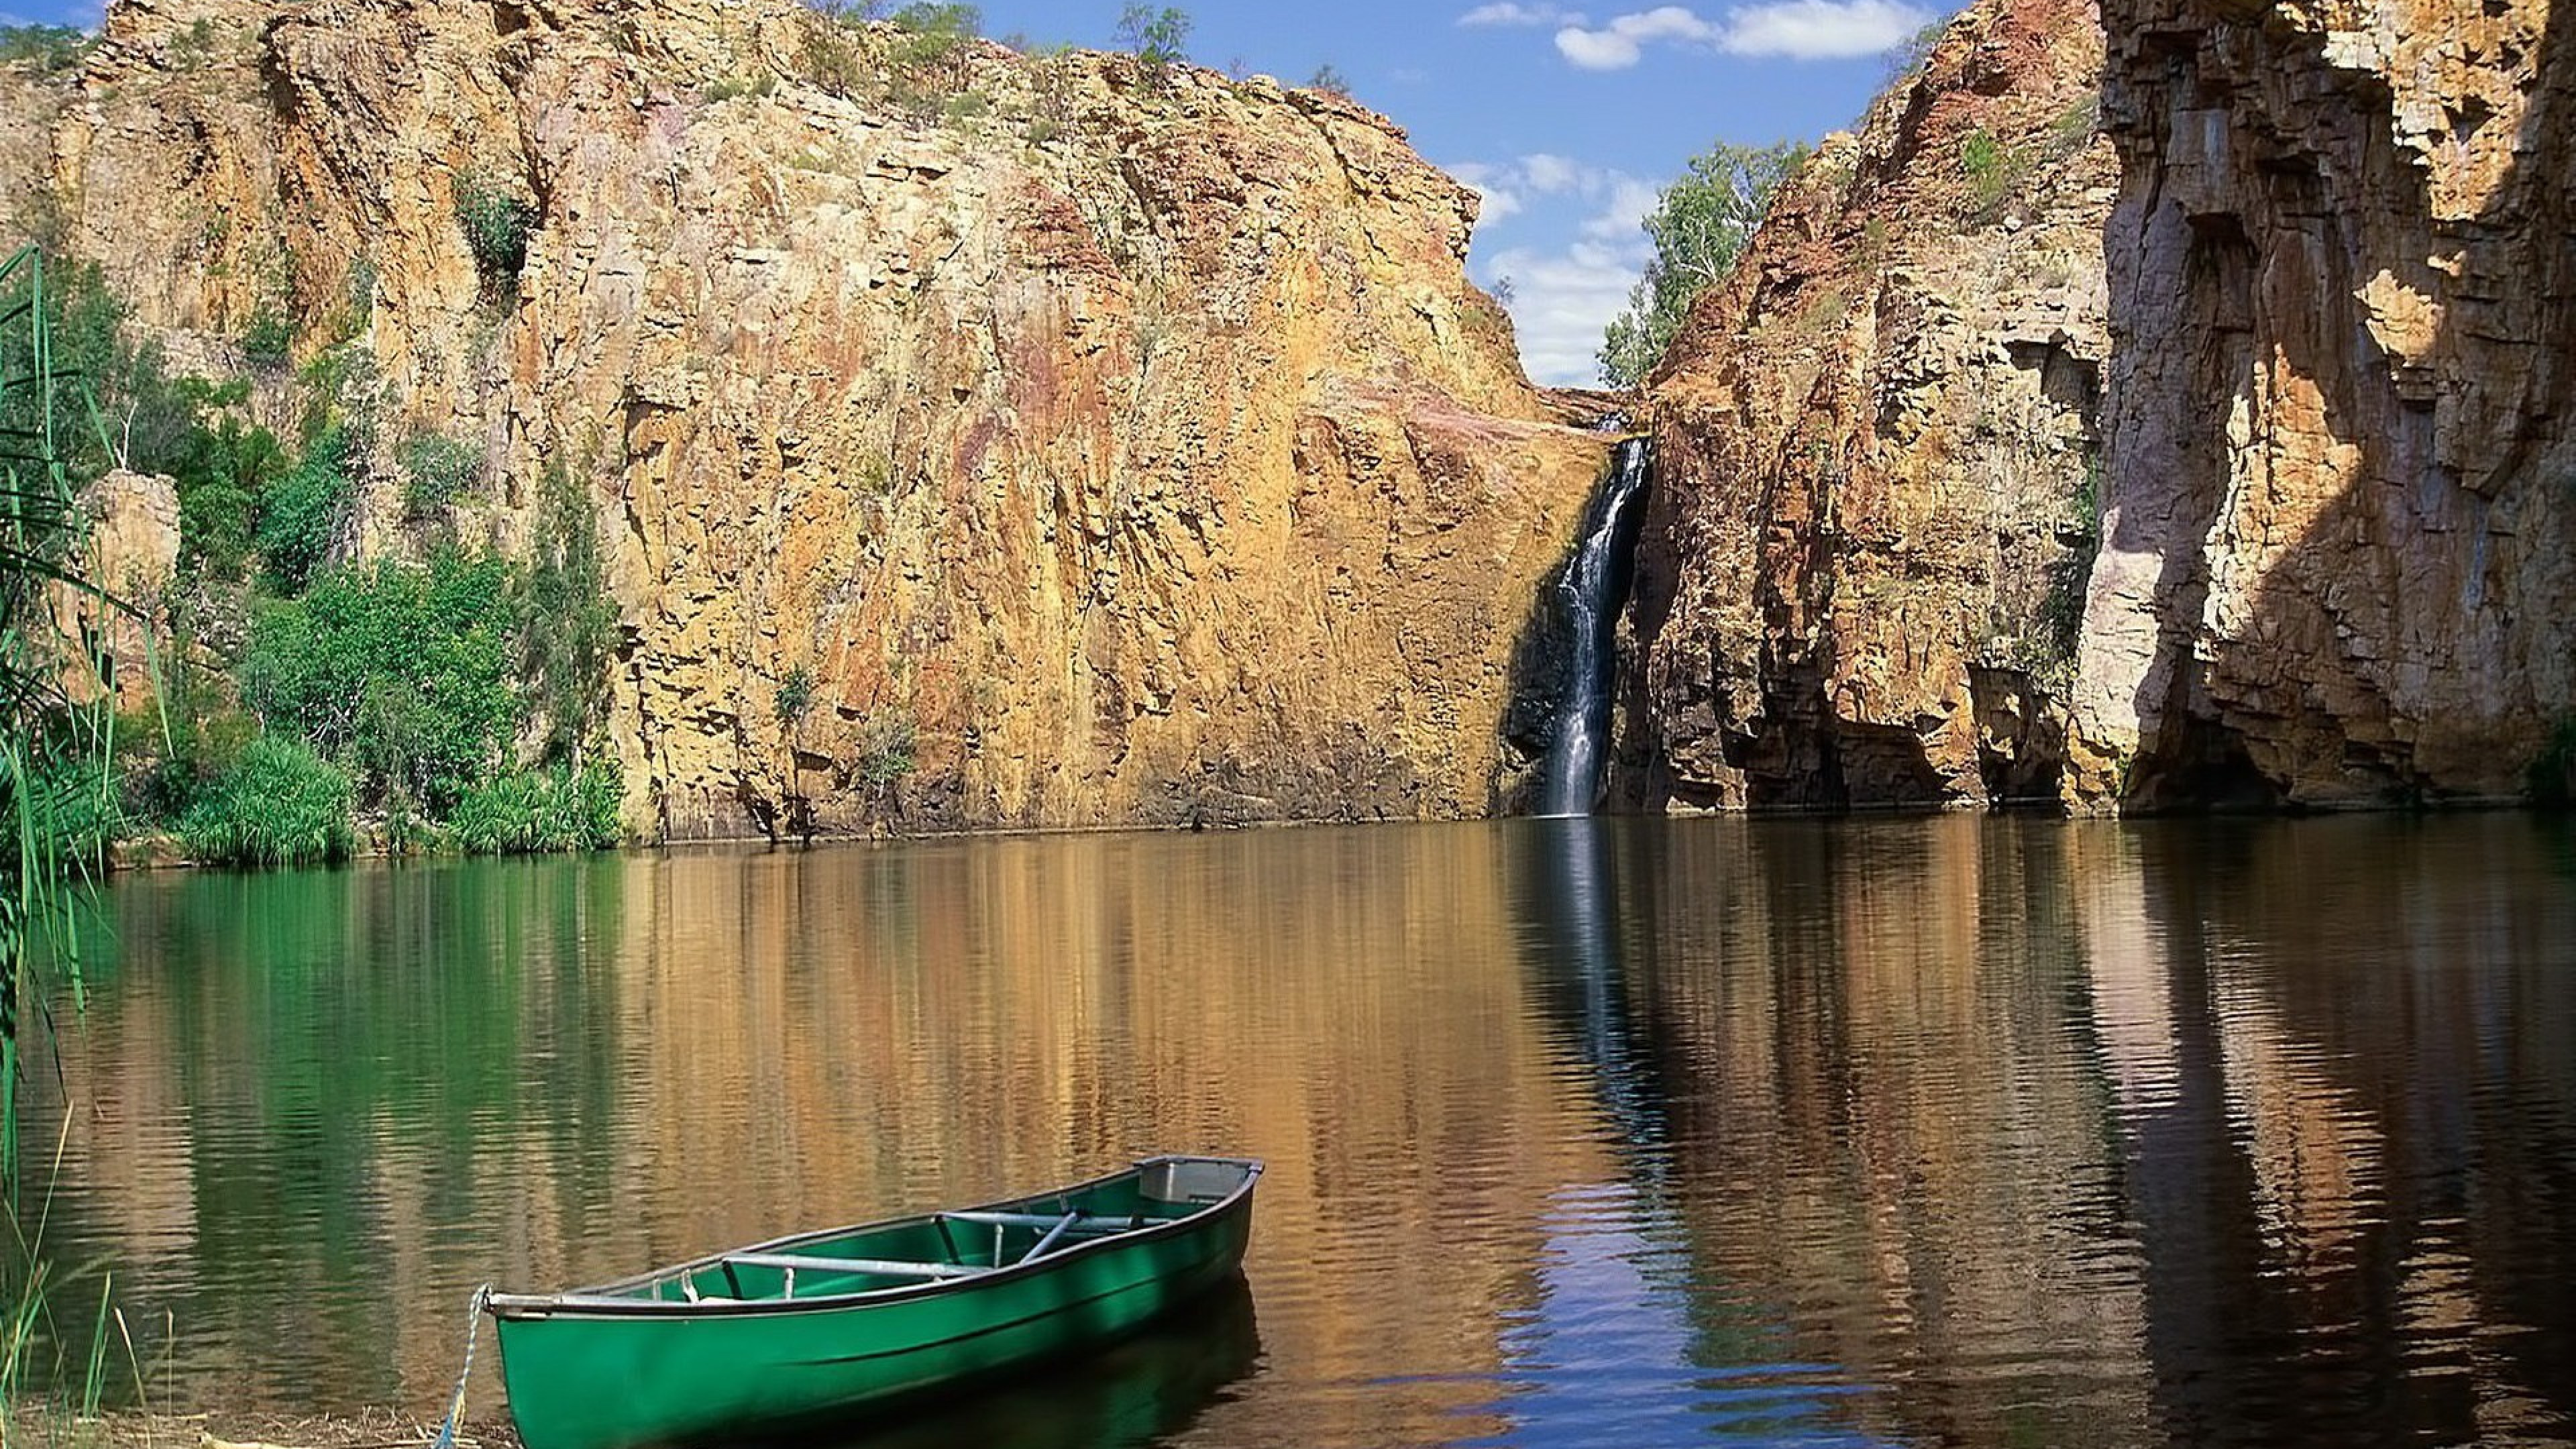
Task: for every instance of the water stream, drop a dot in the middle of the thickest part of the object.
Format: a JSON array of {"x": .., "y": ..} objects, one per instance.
[{"x": 1594, "y": 587}]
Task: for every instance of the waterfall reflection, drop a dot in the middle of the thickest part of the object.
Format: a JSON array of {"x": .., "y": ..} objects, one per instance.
[{"x": 1632, "y": 1332}]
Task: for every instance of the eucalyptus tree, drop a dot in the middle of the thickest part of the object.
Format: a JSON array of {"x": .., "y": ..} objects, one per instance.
[{"x": 1699, "y": 226}]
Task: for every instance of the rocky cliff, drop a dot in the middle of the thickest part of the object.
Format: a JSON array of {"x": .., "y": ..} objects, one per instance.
[
  {"x": 1861, "y": 573},
  {"x": 2294, "y": 336},
  {"x": 1105, "y": 442},
  {"x": 2339, "y": 560}
]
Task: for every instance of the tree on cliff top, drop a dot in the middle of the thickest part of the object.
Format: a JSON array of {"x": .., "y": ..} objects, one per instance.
[
  {"x": 1157, "y": 37},
  {"x": 1699, "y": 226}
]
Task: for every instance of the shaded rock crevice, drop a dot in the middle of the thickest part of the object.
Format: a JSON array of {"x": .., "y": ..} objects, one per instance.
[{"x": 2336, "y": 557}]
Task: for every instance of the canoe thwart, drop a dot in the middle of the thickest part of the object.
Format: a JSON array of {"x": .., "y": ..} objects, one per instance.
[
  {"x": 1082, "y": 1222},
  {"x": 1053, "y": 1233},
  {"x": 877, "y": 1267}
]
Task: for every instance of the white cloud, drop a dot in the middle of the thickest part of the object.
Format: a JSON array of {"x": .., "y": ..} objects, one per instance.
[
  {"x": 1523, "y": 15},
  {"x": 1622, "y": 218},
  {"x": 1618, "y": 45},
  {"x": 1562, "y": 300},
  {"x": 1821, "y": 29},
  {"x": 1508, "y": 187},
  {"x": 1795, "y": 29},
  {"x": 1555, "y": 174}
]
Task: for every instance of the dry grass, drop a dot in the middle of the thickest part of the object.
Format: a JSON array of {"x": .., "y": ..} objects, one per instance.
[{"x": 375, "y": 1428}]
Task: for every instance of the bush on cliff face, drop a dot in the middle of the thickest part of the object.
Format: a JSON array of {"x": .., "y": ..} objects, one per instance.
[
  {"x": 497, "y": 221},
  {"x": 231, "y": 468},
  {"x": 1699, "y": 226},
  {"x": 566, "y": 629},
  {"x": 45, "y": 49},
  {"x": 437, "y": 470},
  {"x": 304, "y": 511},
  {"x": 932, "y": 38},
  {"x": 1157, "y": 36}
]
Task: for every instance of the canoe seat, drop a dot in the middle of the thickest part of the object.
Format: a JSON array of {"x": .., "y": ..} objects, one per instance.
[{"x": 875, "y": 1267}]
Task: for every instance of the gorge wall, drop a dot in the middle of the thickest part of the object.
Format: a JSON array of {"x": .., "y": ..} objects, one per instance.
[
  {"x": 2221, "y": 458},
  {"x": 2337, "y": 565},
  {"x": 1106, "y": 443},
  {"x": 1861, "y": 572}
]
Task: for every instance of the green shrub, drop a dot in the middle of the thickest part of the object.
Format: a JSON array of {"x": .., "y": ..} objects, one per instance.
[
  {"x": 219, "y": 488},
  {"x": 280, "y": 804},
  {"x": 931, "y": 36},
  {"x": 344, "y": 390},
  {"x": 794, "y": 697},
  {"x": 437, "y": 469},
  {"x": 885, "y": 749},
  {"x": 45, "y": 49},
  {"x": 1700, "y": 225},
  {"x": 1329, "y": 79},
  {"x": 269, "y": 340},
  {"x": 1992, "y": 170},
  {"x": 756, "y": 83},
  {"x": 832, "y": 57},
  {"x": 192, "y": 734},
  {"x": 566, "y": 629},
  {"x": 528, "y": 811},
  {"x": 402, "y": 672},
  {"x": 358, "y": 297},
  {"x": 497, "y": 221},
  {"x": 193, "y": 46},
  {"x": 303, "y": 513}
]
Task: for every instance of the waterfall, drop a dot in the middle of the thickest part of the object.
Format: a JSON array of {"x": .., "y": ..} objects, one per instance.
[{"x": 1593, "y": 589}]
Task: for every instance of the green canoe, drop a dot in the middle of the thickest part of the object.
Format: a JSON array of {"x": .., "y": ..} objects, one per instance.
[{"x": 790, "y": 1333}]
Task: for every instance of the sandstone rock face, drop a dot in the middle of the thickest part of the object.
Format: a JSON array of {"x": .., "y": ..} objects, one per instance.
[
  {"x": 132, "y": 552},
  {"x": 2339, "y": 559},
  {"x": 1861, "y": 571},
  {"x": 1105, "y": 447}
]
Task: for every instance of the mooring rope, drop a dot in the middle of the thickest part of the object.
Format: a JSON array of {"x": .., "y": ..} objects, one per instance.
[{"x": 456, "y": 1402}]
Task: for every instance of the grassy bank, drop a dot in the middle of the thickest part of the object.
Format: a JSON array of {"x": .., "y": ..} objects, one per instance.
[{"x": 217, "y": 1429}]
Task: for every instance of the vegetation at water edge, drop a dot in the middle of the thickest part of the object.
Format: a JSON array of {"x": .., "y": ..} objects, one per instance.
[{"x": 449, "y": 696}]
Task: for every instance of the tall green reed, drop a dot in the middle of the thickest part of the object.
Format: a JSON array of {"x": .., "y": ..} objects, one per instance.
[{"x": 55, "y": 781}]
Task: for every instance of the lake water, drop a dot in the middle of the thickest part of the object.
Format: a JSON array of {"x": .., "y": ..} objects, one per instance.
[{"x": 1635, "y": 1132}]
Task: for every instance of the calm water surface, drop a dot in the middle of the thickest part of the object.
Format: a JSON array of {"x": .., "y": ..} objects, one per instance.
[{"x": 1946, "y": 1131}]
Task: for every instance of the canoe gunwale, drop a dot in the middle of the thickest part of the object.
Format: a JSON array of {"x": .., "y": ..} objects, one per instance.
[{"x": 609, "y": 1300}]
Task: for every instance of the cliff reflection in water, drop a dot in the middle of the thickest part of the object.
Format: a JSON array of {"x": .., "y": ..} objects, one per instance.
[{"x": 1952, "y": 1130}]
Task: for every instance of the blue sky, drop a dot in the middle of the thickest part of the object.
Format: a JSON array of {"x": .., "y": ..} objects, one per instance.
[{"x": 1567, "y": 118}]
